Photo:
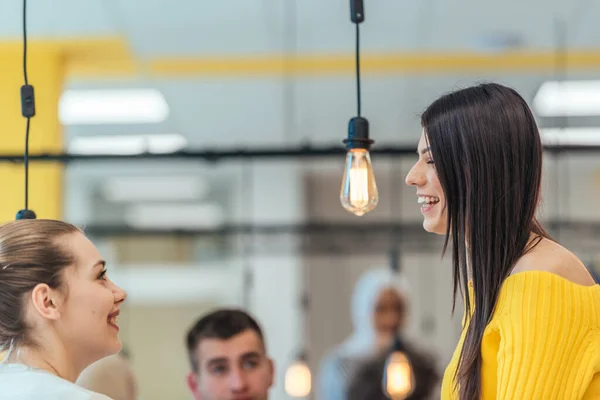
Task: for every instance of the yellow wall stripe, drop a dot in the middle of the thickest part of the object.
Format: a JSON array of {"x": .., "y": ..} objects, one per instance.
[
  {"x": 101, "y": 57},
  {"x": 376, "y": 64}
]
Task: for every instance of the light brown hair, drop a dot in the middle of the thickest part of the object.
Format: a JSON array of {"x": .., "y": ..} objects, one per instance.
[{"x": 31, "y": 253}]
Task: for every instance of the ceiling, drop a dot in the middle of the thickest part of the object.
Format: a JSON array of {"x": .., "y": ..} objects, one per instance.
[
  {"x": 215, "y": 110},
  {"x": 186, "y": 27}
]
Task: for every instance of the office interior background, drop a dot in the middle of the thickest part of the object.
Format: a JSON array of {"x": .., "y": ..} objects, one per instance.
[{"x": 202, "y": 151}]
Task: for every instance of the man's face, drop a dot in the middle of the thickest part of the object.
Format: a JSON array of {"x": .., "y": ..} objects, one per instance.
[{"x": 232, "y": 369}]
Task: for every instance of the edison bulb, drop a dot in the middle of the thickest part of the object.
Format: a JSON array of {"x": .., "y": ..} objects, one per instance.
[
  {"x": 298, "y": 380},
  {"x": 359, "y": 191},
  {"x": 399, "y": 381}
]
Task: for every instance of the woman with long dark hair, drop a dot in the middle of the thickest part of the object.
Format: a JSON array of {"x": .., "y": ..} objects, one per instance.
[{"x": 532, "y": 310}]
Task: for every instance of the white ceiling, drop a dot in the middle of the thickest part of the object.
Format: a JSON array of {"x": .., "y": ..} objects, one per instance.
[
  {"x": 250, "y": 110},
  {"x": 161, "y": 27},
  {"x": 227, "y": 111}
]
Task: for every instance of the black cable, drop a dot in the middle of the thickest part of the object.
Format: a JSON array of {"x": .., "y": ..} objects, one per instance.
[
  {"x": 25, "y": 41},
  {"x": 28, "y": 111},
  {"x": 26, "y": 156},
  {"x": 357, "y": 56},
  {"x": 26, "y": 163}
]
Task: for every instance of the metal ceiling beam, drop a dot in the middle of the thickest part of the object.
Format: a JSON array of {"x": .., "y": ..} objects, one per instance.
[{"x": 214, "y": 155}]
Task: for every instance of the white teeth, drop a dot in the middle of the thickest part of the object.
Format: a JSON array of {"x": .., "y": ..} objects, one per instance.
[
  {"x": 428, "y": 199},
  {"x": 113, "y": 320}
]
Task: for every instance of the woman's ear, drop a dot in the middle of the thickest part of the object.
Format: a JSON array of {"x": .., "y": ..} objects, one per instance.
[{"x": 46, "y": 301}]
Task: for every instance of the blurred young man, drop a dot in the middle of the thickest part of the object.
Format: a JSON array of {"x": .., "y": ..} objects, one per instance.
[{"x": 228, "y": 358}]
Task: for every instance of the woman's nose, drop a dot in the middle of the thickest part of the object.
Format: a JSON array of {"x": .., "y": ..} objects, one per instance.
[{"x": 415, "y": 177}]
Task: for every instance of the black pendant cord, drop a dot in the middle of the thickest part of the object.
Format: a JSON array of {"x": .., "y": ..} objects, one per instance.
[
  {"x": 357, "y": 57},
  {"x": 28, "y": 111},
  {"x": 25, "y": 41},
  {"x": 26, "y": 156},
  {"x": 358, "y": 127},
  {"x": 26, "y": 164}
]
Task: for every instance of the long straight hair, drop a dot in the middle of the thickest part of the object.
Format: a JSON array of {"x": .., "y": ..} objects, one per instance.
[{"x": 487, "y": 153}]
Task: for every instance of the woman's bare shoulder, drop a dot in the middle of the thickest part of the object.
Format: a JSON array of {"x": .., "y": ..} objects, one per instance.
[{"x": 551, "y": 257}]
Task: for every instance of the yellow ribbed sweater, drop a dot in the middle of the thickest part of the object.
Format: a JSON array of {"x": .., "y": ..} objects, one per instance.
[{"x": 543, "y": 342}]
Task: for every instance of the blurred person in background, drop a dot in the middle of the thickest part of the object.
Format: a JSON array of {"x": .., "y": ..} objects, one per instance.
[
  {"x": 112, "y": 376},
  {"x": 379, "y": 307},
  {"x": 228, "y": 358},
  {"x": 532, "y": 311}
]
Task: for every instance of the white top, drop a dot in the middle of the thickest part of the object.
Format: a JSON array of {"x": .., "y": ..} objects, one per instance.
[{"x": 20, "y": 382}]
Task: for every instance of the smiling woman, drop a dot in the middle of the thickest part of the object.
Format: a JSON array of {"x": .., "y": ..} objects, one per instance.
[
  {"x": 532, "y": 323},
  {"x": 58, "y": 307}
]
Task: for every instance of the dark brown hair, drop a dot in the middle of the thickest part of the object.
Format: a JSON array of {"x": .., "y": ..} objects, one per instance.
[
  {"x": 487, "y": 153},
  {"x": 30, "y": 254},
  {"x": 221, "y": 324}
]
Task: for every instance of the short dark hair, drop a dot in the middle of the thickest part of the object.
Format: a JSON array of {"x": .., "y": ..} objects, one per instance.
[{"x": 220, "y": 324}]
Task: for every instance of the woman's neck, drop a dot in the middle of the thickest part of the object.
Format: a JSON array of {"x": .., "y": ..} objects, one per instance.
[{"x": 53, "y": 359}]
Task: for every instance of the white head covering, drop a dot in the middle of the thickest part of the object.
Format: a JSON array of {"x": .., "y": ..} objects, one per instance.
[
  {"x": 364, "y": 299},
  {"x": 337, "y": 367}
]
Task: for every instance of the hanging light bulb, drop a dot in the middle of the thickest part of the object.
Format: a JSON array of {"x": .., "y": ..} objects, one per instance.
[
  {"x": 398, "y": 378},
  {"x": 298, "y": 380},
  {"x": 359, "y": 193}
]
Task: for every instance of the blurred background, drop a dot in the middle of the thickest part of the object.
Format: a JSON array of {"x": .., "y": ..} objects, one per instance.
[{"x": 175, "y": 118}]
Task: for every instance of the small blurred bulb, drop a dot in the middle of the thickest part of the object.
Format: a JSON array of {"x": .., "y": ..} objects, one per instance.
[
  {"x": 298, "y": 381},
  {"x": 398, "y": 380}
]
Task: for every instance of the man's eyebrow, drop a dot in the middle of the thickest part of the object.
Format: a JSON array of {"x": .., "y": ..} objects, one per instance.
[
  {"x": 216, "y": 360},
  {"x": 251, "y": 354}
]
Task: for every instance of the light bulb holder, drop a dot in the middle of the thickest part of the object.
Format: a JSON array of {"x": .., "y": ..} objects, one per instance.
[
  {"x": 357, "y": 11},
  {"x": 358, "y": 134},
  {"x": 302, "y": 356},
  {"x": 26, "y": 214},
  {"x": 398, "y": 345}
]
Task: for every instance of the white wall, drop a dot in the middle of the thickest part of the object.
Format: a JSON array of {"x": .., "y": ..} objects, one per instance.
[{"x": 277, "y": 279}]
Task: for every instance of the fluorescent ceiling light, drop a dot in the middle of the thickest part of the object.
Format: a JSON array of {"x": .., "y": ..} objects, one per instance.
[
  {"x": 178, "y": 285},
  {"x": 154, "y": 188},
  {"x": 568, "y": 99},
  {"x": 111, "y": 106},
  {"x": 127, "y": 144},
  {"x": 175, "y": 216},
  {"x": 571, "y": 136}
]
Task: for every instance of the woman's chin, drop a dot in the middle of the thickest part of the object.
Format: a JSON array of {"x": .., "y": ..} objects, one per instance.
[
  {"x": 114, "y": 347},
  {"x": 434, "y": 227}
]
